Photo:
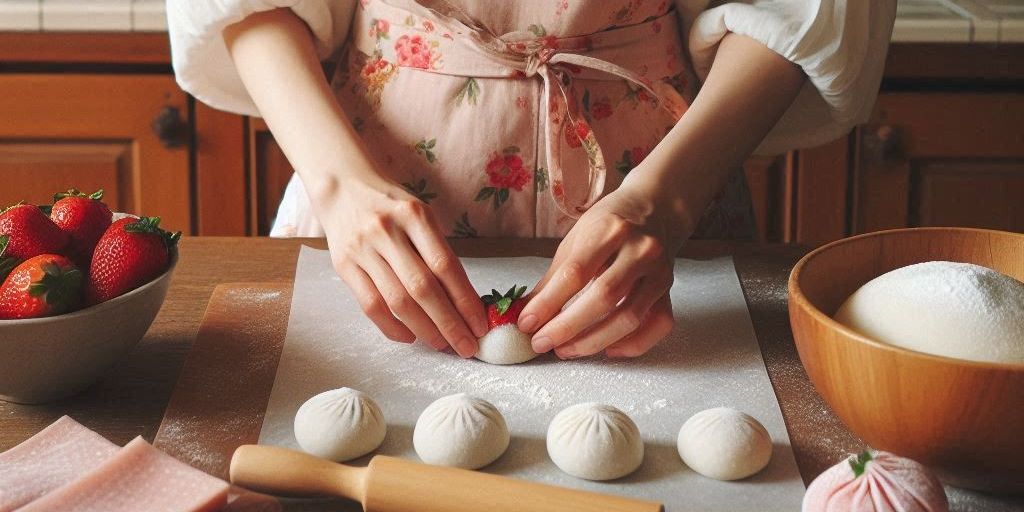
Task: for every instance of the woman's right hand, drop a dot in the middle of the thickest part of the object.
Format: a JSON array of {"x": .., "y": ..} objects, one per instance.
[{"x": 388, "y": 248}]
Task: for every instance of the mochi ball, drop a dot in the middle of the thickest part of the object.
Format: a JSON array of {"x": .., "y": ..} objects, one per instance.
[
  {"x": 595, "y": 442},
  {"x": 957, "y": 310},
  {"x": 724, "y": 444},
  {"x": 875, "y": 482},
  {"x": 340, "y": 425},
  {"x": 505, "y": 344},
  {"x": 460, "y": 431}
]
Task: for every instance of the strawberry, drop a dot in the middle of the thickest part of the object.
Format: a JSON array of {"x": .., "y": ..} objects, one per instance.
[
  {"x": 84, "y": 218},
  {"x": 131, "y": 253},
  {"x": 31, "y": 232},
  {"x": 504, "y": 309},
  {"x": 44, "y": 285},
  {"x": 7, "y": 263}
]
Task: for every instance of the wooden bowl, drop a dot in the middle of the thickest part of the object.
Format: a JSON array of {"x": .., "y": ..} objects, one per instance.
[
  {"x": 46, "y": 359},
  {"x": 963, "y": 419}
]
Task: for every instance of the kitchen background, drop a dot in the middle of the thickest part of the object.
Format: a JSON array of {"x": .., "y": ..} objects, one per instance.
[{"x": 87, "y": 97}]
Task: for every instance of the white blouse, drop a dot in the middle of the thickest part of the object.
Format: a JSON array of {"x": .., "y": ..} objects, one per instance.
[{"x": 839, "y": 44}]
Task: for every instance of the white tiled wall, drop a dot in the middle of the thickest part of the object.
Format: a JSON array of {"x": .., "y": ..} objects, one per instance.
[
  {"x": 954, "y": 21},
  {"x": 83, "y": 15}
]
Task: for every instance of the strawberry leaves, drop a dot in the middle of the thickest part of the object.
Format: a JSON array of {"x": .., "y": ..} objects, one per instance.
[
  {"x": 152, "y": 225},
  {"x": 503, "y": 301},
  {"x": 59, "y": 287},
  {"x": 74, "y": 192},
  {"x": 860, "y": 462},
  {"x": 7, "y": 263}
]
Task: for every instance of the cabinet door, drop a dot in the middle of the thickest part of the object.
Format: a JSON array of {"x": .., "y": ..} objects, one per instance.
[
  {"x": 269, "y": 171},
  {"x": 95, "y": 131},
  {"x": 941, "y": 159}
]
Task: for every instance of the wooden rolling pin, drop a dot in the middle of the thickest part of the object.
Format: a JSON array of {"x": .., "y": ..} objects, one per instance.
[{"x": 389, "y": 484}]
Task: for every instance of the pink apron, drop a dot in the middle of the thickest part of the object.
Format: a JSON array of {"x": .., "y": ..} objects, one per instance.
[{"x": 508, "y": 118}]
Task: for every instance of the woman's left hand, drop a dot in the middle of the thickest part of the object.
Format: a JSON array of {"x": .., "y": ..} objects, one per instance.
[{"x": 620, "y": 254}]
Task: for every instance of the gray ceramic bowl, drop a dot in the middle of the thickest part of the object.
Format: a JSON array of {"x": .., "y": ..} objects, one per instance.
[{"x": 46, "y": 359}]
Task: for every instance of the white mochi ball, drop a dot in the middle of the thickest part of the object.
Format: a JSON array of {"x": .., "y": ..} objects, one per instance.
[
  {"x": 595, "y": 442},
  {"x": 340, "y": 425},
  {"x": 724, "y": 444},
  {"x": 505, "y": 344},
  {"x": 944, "y": 308},
  {"x": 461, "y": 431}
]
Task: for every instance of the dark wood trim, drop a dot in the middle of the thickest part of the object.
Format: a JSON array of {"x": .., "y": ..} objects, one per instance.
[
  {"x": 945, "y": 61},
  {"x": 85, "y": 47}
]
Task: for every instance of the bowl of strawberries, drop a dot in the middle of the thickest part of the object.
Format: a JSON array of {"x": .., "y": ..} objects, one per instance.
[{"x": 79, "y": 287}]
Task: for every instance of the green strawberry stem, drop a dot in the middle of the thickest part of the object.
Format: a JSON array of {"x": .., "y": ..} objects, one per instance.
[
  {"x": 74, "y": 192},
  {"x": 860, "y": 462},
  {"x": 7, "y": 264},
  {"x": 59, "y": 288},
  {"x": 503, "y": 301},
  {"x": 152, "y": 225}
]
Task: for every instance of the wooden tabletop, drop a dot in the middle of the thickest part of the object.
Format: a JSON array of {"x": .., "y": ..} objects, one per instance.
[{"x": 131, "y": 399}]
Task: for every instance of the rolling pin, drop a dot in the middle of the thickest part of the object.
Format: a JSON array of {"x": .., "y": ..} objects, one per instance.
[{"x": 390, "y": 484}]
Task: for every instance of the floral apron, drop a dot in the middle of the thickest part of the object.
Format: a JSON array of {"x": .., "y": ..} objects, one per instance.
[{"x": 512, "y": 118}]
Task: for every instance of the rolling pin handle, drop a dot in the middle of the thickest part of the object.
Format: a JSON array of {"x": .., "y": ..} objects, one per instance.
[{"x": 282, "y": 471}]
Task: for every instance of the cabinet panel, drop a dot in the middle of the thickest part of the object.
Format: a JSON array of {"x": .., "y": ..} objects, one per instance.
[
  {"x": 33, "y": 172},
  {"x": 61, "y": 130},
  {"x": 270, "y": 172},
  {"x": 929, "y": 159}
]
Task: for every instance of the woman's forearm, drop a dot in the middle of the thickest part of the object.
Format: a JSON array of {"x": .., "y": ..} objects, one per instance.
[
  {"x": 747, "y": 90},
  {"x": 275, "y": 57}
]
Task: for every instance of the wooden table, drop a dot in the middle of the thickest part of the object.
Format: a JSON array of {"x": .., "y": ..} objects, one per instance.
[{"x": 130, "y": 401}]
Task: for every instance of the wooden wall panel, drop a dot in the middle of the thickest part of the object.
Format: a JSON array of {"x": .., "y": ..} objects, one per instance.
[{"x": 35, "y": 171}]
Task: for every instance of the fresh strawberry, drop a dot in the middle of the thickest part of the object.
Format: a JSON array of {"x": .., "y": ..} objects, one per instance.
[
  {"x": 84, "y": 218},
  {"x": 31, "y": 232},
  {"x": 130, "y": 254},
  {"x": 7, "y": 263},
  {"x": 504, "y": 309},
  {"x": 43, "y": 285}
]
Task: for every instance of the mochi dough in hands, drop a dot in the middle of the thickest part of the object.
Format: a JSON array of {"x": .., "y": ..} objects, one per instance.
[
  {"x": 595, "y": 442},
  {"x": 724, "y": 444},
  {"x": 505, "y": 344},
  {"x": 460, "y": 431},
  {"x": 340, "y": 425},
  {"x": 944, "y": 308}
]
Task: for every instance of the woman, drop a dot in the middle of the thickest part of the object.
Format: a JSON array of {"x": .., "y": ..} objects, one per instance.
[{"x": 618, "y": 125}]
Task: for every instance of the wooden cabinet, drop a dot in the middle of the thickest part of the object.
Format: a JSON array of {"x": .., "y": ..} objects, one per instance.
[
  {"x": 96, "y": 131},
  {"x": 941, "y": 159},
  {"x": 79, "y": 109}
]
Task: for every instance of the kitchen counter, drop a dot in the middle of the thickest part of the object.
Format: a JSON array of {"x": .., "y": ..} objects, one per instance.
[
  {"x": 953, "y": 21},
  {"x": 132, "y": 398}
]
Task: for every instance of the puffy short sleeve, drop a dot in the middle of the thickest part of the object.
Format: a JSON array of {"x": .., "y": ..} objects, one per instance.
[
  {"x": 201, "y": 61},
  {"x": 840, "y": 44}
]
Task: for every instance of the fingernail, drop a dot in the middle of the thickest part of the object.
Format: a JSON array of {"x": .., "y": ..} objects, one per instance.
[
  {"x": 566, "y": 354},
  {"x": 467, "y": 344},
  {"x": 528, "y": 323},
  {"x": 541, "y": 345},
  {"x": 479, "y": 327}
]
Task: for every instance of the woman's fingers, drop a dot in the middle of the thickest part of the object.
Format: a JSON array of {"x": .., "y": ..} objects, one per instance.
[
  {"x": 440, "y": 259},
  {"x": 658, "y": 324},
  {"x": 401, "y": 302},
  {"x": 630, "y": 317},
  {"x": 594, "y": 303},
  {"x": 374, "y": 305},
  {"x": 570, "y": 271},
  {"x": 425, "y": 289}
]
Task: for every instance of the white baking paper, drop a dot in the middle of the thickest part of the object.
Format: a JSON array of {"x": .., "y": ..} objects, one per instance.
[{"x": 711, "y": 359}]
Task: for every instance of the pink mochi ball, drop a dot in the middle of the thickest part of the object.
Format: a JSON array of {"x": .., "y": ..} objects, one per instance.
[{"x": 876, "y": 481}]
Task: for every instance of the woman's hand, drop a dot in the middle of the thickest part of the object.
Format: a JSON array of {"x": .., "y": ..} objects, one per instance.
[
  {"x": 385, "y": 243},
  {"x": 620, "y": 255},
  {"x": 388, "y": 248}
]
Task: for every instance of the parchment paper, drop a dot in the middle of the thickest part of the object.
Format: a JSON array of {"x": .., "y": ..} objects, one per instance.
[{"x": 710, "y": 359}]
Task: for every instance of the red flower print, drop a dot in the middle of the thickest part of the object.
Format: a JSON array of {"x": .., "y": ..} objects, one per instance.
[
  {"x": 506, "y": 171},
  {"x": 576, "y": 133},
  {"x": 630, "y": 159},
  {"x": 413, "y": 52},
  {"x": 379, "y": 29},
  {"x": 601, "y": 108},
  {"x": 549, "y": 41},
  {"x": 522, "y": 102},
  {"x": 428, "y": 25},
  {"x": 557, "y": 189},
  {"x": 374, "y": 66}
]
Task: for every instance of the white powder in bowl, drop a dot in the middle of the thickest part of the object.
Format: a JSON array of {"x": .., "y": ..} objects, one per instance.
[{"x": 949, "y": 309}]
